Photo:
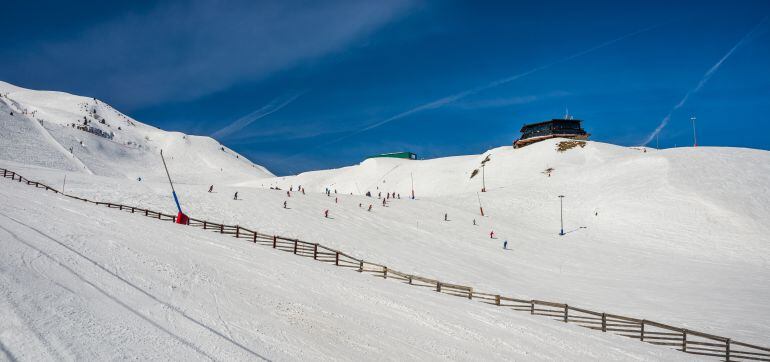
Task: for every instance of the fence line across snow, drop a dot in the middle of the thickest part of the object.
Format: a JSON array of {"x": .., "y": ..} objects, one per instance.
[{"x": 681, "y": 339}]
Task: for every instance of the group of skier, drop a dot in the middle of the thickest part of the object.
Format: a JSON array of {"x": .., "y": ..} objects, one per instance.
[{"x": 328, "y": 192}]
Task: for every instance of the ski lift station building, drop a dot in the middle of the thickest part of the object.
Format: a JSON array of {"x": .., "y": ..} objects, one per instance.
[
  {"x": 404, "y": 155},
  {"x": 555, "y": 128}
]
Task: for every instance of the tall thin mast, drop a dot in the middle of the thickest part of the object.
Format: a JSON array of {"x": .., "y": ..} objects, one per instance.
[{"x": 173, "y": 192}]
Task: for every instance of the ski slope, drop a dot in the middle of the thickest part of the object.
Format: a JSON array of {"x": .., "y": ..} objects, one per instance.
[
  {"x": 81, "y": 282},
  {"x": 677, "y": 236},
  {"x": 674, "y": 240},
  {"x": 42, "y": 131}
]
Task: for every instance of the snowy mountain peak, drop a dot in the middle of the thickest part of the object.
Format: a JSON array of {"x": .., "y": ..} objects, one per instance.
[{"x": 82, "y": 134}]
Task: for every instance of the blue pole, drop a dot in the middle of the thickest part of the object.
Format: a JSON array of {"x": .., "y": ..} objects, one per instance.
[
  {"x": 173, "y": 192},
  {"x": 176, "y": 200}
]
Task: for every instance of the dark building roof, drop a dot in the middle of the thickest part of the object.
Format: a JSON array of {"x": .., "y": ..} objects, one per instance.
[
  {"x": 534, "y": 132},
  {"x": 575, "y": 122}
]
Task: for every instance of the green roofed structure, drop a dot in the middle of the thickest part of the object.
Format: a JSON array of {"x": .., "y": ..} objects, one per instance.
[{"x": 404, "y": 155}]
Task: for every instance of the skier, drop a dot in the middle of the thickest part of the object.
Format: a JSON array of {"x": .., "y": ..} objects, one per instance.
[
  {"x": 370, "y": 207},
  {"x": 288, "y": 194},
  {"x": 235, "y": 197},
  {"x": 505, "y": 244},
  {"x": 291, "y": 188},
  {"x": 211, "y": 188},
  {"x": 446, "y": 217},
  {"x": 383, "y": 202},
  {"x": 326, "y": 213},
  {"x": 492, "y": 234},
  {"x": 379, "y": 195},
  {"x": 335, "y": 200},
  {"x": 474, "y": 222},
  {"x": 303, "y": 190},
  {"x": 399, "y": 196},
  {"x": 284, "y": 205}
]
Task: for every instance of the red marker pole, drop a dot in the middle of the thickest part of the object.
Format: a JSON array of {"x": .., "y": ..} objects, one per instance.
[{"x": 480, "y": 208}]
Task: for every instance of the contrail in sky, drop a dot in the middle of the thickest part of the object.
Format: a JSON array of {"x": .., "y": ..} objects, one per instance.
[
  {"x": 702, "y": 82},
  {"x": 274, "y": 106},
  {"x": 438, "y": 103},
  {"x": 455, "y": 97}
]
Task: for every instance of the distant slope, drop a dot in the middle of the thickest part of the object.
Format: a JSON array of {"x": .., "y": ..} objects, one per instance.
[{"x": 43, "y": 131}]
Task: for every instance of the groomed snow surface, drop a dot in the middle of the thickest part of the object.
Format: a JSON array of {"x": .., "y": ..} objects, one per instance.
[
  {"x": 677, "y": 236},
  {"x": 81, "y": 282}
]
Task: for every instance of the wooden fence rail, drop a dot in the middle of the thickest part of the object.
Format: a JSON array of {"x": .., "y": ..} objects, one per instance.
[{"x": 682, "y": 339}]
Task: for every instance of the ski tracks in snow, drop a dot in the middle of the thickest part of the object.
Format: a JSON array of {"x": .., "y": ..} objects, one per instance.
[{"x": 130, "y": 286}]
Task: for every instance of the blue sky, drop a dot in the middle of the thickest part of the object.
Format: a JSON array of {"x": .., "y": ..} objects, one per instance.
[{"x": 301, "y": 85}]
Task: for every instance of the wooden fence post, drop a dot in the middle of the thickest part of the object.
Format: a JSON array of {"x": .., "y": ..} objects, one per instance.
[
  {"x": 145, "y": 212},
  {"x": 337, "y": 258},
  {"x": 410, "y": 279},
  {"x": 684, "y": 340},
  {"x": 275, "y": 240},
  {"x": 120, "y": 207},
  {"x": 237, "y": 231},
  {"x": 315, "y": 251},
  {"x": 497, "y": 300},
  {"x": 173, "y": 218},
  {"x": 295, "y": 246},
  {"x": 360, "y": 266},
  {"x": 133, "y": 209},
  {"x": 641, "y": 337},
  {"x": 604, "y": 322},
  {"x": 566, "y": 313},
  {"x": 221, "y": 228},
  {"x": 470, "y": 293},
  {"x": 255, "y": 237},
  {"x": 727, "y": 350},
  {"x": 384, "y": 272},
  {"x": 438, "y": 287},
  {"x": 531, "y": 307},
  {"x": 204, "y": 224}
]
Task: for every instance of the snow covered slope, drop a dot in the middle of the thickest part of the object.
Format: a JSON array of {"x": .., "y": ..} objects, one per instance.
[
  {"x": 73, "y": 133},
  {"x": 80, "y": 282},
  {"x": 677, "y": 236}
]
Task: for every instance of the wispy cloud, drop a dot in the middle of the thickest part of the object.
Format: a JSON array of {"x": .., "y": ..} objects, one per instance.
[
  {"x": 438, "y": 103},
  {"x": 509, "y": 101},
  {"x": 709, "y": 73},
  {"x": 182, "y": 50},
  {"x": 441, "y": 102},
  {"x": 274, "y": 106}
]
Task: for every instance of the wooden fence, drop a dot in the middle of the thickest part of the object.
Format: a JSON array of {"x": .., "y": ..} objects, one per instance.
[{"x": 681, "y": 339}]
